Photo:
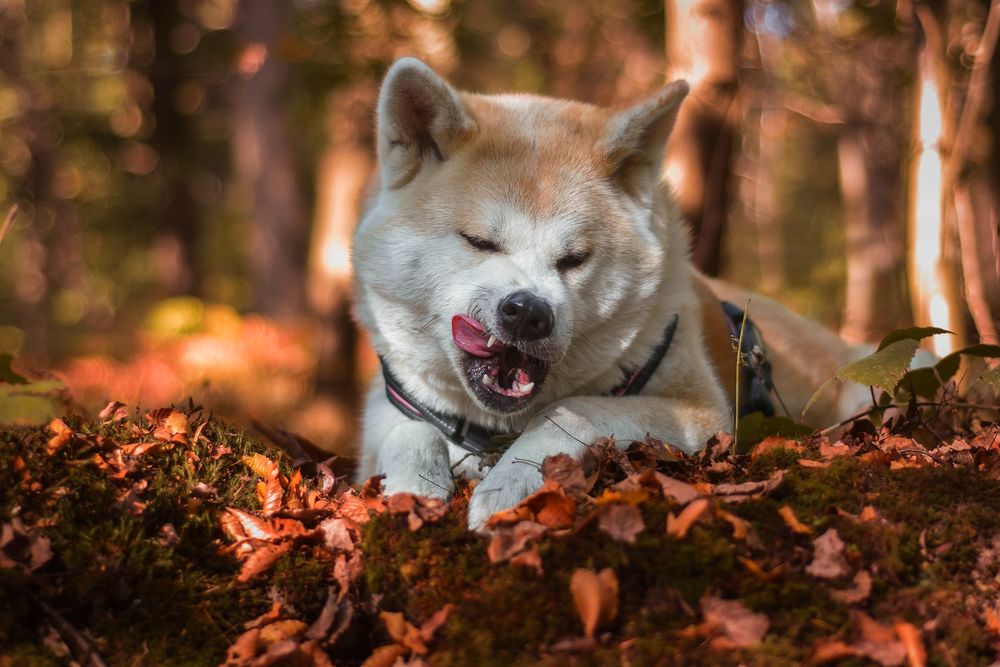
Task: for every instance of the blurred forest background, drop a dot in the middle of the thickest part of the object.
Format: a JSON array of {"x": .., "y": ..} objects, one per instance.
[{"x": 187, "y": 173}]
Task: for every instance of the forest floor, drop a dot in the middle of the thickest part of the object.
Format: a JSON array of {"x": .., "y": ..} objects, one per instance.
[{"x": 168, "y": 537}]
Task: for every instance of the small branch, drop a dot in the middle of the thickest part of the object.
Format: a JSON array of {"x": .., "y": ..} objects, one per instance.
[
  {"x": 921, "y": 404},
  {"x": 567, "y": 432},
  {"x": 445, "y": 489},
  {"x": 83, "y": 650},
  {"x": 7, "y": 222},
  {"x": 533, "y": 464},
  {"x": 739, "y": 366}
]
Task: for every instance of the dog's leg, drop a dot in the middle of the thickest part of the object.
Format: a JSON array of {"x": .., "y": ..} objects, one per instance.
[
  {"x": 569, "y": 425},
  {"x": 413, "y": 456}
]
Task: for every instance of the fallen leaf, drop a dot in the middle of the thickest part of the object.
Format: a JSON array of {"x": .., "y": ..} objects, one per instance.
[
  {"x": 858, "y": 592},
  {"x": 336, "y": 536},
  {"x": 868, "y": 513},
  {"x": 738, "y": 626},
  {"x": 877, "y": 642},
  {"x": 261, "y": 559},
  {"x": 551, "y": 506},
  {"x": 271, "y": 494},
  {"x": 828, "y": 650},
  {"x": 113, "y": 412},
  {"x": 622, "y": 522},
  {"x": 260, "y": 464},
  {"x": 772, "y": 442},
  {"x": 129, "y": 501},
  {"x": 828, "y": 556},
  {"x": 567, "y": 471},
  {"x": 792, "y": 521},
  {"x": 280, "y": 631},
  {"x": 528, "y": 558},
  {"x": 745, "y": 490},
  {"x": 61, "y": 434},
  {"x": 244, "y": 649},
  {"x": 510, "y": 541},
  {"x": 595, "y": 595},
  {"x": 827, "y": 450},
  {"x": 385, "y": 656},
  {"x": 810, "y": 463},
  {"x": 678, "y": 526},
  {"x": 909, "y": 635},
  {"x": 741, "y": 527},
  {"x": 754, "y": 568}
]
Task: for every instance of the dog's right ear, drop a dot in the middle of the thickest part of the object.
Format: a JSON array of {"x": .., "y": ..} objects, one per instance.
[{"x": 420, "y": 119}]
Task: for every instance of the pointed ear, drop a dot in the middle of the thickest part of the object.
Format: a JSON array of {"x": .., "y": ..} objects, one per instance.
[
  {"x": 635, "y": 138},
  {"x": 420, "y": 118}
]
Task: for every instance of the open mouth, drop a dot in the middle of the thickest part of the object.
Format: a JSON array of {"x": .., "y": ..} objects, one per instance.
[{"x": 501, "y": 376}]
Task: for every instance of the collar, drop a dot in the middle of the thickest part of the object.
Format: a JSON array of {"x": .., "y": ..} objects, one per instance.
[{"x": 482, "y": 441}]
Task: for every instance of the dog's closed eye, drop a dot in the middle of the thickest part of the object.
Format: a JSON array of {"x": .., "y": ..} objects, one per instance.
[
  {"x": 572, "y": 260},
  {"x": 479, "y": 243}
]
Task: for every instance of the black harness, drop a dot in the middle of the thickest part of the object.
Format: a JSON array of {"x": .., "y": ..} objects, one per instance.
[{"x": 755, "y": 375}]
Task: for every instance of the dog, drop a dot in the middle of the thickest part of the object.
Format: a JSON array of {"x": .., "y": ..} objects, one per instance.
[{"x": 526, "y": 281}]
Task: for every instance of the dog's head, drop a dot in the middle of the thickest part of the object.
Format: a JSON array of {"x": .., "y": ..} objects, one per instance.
[{"x": 514, "y": 246}]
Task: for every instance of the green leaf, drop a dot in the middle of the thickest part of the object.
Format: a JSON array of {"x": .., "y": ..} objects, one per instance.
[
  {"x": 992, "y": 378},
  {"x": 815, "y": 397},
  {"x": 913, "y": 333},
  {"x": 754, "y": 427},
  {"x": 948, "y": 366},
  {"x": 884, "y": 368},
  {"x": 7, "y": 373},
  {"x": 30, "y": 404},
  {"x": 921, "y": 381}
]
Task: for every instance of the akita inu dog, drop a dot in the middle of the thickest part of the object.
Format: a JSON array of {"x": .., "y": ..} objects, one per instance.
[{"x": 523, "y": 270}]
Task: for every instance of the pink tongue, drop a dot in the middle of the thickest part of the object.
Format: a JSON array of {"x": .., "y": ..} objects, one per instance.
[{"x": 470, "y": 336}]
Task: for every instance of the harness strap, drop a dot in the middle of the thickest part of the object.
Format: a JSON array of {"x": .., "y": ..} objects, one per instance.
[{"x": 756, "y": 384}]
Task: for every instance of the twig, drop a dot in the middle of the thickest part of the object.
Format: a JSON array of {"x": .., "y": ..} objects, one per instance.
[
  {"x": 443, "y": 488},
  {"x": 921, "y": 404},
  {"x": 528, "y": 462},
  {"x": 739, "y": 365},
  {"x": 83, "y": 650},
  {"x": 459, "y": 462},
  {"x": 567, "y": 432},
  {"x": 7, "y": 222}
]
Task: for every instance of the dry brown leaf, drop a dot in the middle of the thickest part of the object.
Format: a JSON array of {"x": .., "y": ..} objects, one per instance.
[
  {"x": 280, "y": 631},
  {"x": 868, "y": 513},
  {"x": 528, "y": 558},
  {"x": 61, "y": 434},
  {"x": 792, "y": 521},
  {"x": 771, "y": 443},
  {"x": 336, "y": 536},
  {"x": 741, "y": 527},
  {"x": 681, "y": 492},
  {"x": 991, "y": 617},
  {"x": 878, "y": 642},
  {"x": 113, "y": 412},
  {"x": 271, "y": 494},
  {"x": 858, "y": 592},
  {"x": 827, "y": 450},
  {"x": 353, "y": 509},
  {"x": 139, "y": 448},
  {"x": 261, "y": 559},
  {"x": 567, "y": 471},
  {"x": 810, "y": 463},
  {"x": 754, "y": 568},
  {"x": 595, "y": 595},
  {"x": 738, "y": 626},
  {"x": 909, "y": 635},
  {"x": 622, "y": 522},
  {"x": 260, "y": 464},
  {"x": 240, "y": 525},
  {"x": 385, "y": 656},
  {"x": 828, "y": 650},
  {"x": 551, "y": 506},
  {"x": 745, "y": 490},
  {"x": 244, "y": 649},
  {"x": 828, "y": 556},
  {"x": 678, "y": 526},
  {"x": 510, "y": 541},
  {"x": 129, "y": 501}
]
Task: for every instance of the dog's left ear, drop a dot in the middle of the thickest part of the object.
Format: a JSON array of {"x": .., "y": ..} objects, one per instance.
[{"x": 636, "y": 136}]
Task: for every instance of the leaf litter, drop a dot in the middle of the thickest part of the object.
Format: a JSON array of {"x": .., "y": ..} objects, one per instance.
[{"x": 645, "y": 496}]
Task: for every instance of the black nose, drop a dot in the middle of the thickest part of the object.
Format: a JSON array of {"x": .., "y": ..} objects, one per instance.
[{"x": 525, "y": 316}]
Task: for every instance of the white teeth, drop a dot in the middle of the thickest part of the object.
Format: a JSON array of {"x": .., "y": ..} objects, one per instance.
[
  {"x": 492, "y": 340},
  {"x": 524, "y": 388},
  {"x": 487, "y": 380}
]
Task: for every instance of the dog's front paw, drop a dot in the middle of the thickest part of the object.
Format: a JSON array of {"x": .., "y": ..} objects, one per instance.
[{"x": 504, "y": 486}]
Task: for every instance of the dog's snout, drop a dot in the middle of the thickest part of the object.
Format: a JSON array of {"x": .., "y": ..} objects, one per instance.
[{"x": 525, "y": 316}]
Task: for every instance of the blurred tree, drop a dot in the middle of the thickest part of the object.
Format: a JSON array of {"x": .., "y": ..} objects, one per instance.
[
  {"x": 703, "y": 40},
  {"x": 265, "y": 167}
]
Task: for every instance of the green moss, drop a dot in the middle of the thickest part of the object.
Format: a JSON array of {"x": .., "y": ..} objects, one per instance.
[{"x": 112, "y": 573}]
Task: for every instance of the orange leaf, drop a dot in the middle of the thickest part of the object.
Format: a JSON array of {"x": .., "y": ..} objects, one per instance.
[
  {"x": 595, "y": 596},
  {"x": 792, "y": 521},
  {"x": 771, "y": 443},
  {"x": 262, "y": 559},
  {"x": 384, "y": 656},
  {"x": 910, "y": 636},
  {"x": 272, "y": 495},
  {"x": 622, "y": 522},
  {"x": 61, "y": 435},
  {"x": 678, "y": 526},
  {"x": 260, "y": 464},
  {"x": 741, "y": 527}
]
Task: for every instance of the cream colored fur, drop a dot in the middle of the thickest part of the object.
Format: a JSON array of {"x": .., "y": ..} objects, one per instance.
[{"x": 544, "y": 176}]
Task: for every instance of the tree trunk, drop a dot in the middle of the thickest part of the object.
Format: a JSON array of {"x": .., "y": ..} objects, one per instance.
[
  {"x": 934, "y": 270},
  {"x": 265, "y": 165},
  {"x": 703, "y": 46}
]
